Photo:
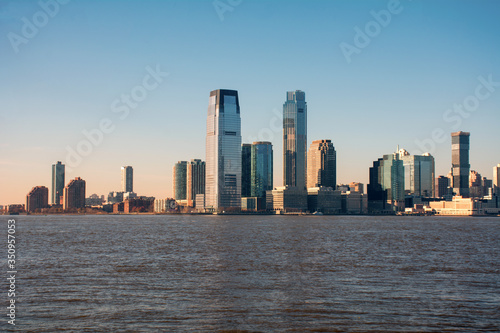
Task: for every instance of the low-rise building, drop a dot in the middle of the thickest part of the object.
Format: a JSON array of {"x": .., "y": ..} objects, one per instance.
[
  {"x": 287, "y": 199},
  {"x": 324, "y": 199}
]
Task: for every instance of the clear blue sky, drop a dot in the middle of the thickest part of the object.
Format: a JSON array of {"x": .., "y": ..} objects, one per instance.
[{"x": 395, "y": 90}]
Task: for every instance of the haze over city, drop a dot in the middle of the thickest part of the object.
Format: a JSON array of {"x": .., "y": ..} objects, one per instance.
[{"x": 428, "y": 70}]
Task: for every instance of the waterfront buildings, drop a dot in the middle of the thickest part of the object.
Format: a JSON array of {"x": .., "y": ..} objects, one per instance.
[
  {"x": 261, "y": 172},
  {"x": 287, "y": 199},
  {"x": 321, "y": 164},
  {"x": 442, "y": 184},
  {"x": 460, "y": 144},
  {"x": 74, "y": 194},
  {"x": 387, "y": 183},
  {"x": 127, "y": 179},
  {"x": 58, "y": 174},
  {"x": 223, "y": 152},
  {"x": 295, "y": 139},
  {"x": 419, "y": 173},
  {"x": 324, "y": 199},
  {"x": 195, "y": 180},
  {"x": 246, "y": 170},
  {"x": 179, "y": 184},
  {"x": 37, "y": 198},
  {"x": 496, "y": 179}
]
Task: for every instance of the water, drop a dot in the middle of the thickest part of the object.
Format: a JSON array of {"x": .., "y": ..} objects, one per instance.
[{"x": 256, "y": 274}]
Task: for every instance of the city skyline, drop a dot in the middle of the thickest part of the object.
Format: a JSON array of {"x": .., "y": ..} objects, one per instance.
[{"x": 431, "y": 71}]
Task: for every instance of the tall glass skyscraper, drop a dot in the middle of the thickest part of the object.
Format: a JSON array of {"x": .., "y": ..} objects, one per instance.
[
  {"x": 460, "y": 163},
  {"x": 58, "y": 173},
  {"x": 127, "y": 179},
  {"x": 387, "y": 184},
  {"x": 295, "y": 139},
  {"x": 195, "y": 180},
  {"x": 261, "y": 169},
  {"x": 179, "y": 175},
  {"x": 419, "y": 173},
  {"x": 322, "y": 164},
  {"x": 246, "y": 170},
  {"x": 223, "y": 151}
]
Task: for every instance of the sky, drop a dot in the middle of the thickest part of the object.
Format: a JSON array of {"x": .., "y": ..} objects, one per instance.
[{"x": 103, "y": 84}]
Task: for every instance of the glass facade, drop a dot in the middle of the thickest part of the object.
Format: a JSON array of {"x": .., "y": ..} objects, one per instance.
[
  {"x": 195, "y": 181},
  {"x": 58, "y": 174},
  {"x": 127, "y": 179},
  {"x": 223, "y": 151},
  {"x": 460, "y": 163},
  {"x": 246, "y": 170},
  {"x": 419, "y": 174},
  {"x": 295, "y": 139},
  {"x": 180, "y": 180},
  {"x": 322, "y": 164},
  {"x": 261, "y": 169}
]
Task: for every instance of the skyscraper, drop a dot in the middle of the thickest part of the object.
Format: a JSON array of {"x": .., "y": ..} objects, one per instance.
[
  {"x": 261, "y": 169},
  {"x": 387, "y": 184},
  {"x": 246, "y": 170},
  {"x": 195, "y": 180},
  {"x": 322, "y": 164},
  {"x": 223, "y": 151},
  {"x": 442, "y": 184},
  {"x": 74, "y": 194},
  {"x": 419, "y": 173},
  {"x": 496, "y": 179},
  {"x": 179, "y": 176},
  {"x": 295, "y": 139},
  {"x": 460, "y": 162},
  {"x": 127, "y": 179},
  {"x": 37, "y": 198},
  {"x": 58, "y": 173}
]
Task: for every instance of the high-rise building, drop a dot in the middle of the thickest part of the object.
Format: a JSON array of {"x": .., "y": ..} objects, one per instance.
[
  {"x": 475, "y": 184},
  {"x": 419, "y": 173},
  {"x": 127, "y": 179},
  {"x": 246, "y": 170},
  {"x": 195, "y": 181},
  {"x": 295, "y": 139},
  {"x": 37, "y": 198},
  {"x": 387, "y": 184},
  {"x": 179, "y": 176},
  {"x": 74, "y": 194},
  {"x": 261, "y": 169},
  {"x": 58, "y": 173},
  {"x": 496, "y": 179},
  {"x": 442, "y": 184},
  {"x": 460, "y": 144},
  {"x": 322, "y": 164},
  {"x": 223, "y": 152}
]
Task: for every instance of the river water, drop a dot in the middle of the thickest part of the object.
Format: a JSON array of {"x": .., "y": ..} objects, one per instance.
[{"x": 255, "y": 274}]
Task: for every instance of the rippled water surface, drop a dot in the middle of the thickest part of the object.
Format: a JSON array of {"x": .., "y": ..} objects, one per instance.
[{"x": 257, "y": 274}]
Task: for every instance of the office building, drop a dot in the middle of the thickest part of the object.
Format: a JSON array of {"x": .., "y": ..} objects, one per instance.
[
  {"x": 74, "y": 194},
  {"x": 496, "y": 179},
  {"x": 475, "y": 184},
  {"x": 442, "y": 184},
  {"x": 195, "y": 181},
  {"x": 246, "y": 170},
  {"x": 419, "y": 174},
  {"x": 460, "y": 144},
  {"x": 223, "y": 152},
  {"x": 324, "y": 199},
  {"x": 37, "y": 198},
  {"x": 127, "y": 179},
  {"x": 357, "y": 187},
  {"x": 58, "y": 174},
  {"x": 295, "y": 139},
  {"x": 387, "y": 183},
  {"x": 322, "y": 164},
  {"x": 179, "y": 183},
  {"x": 261, "y": 179},
  {"x": 287, "y": 199}
]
